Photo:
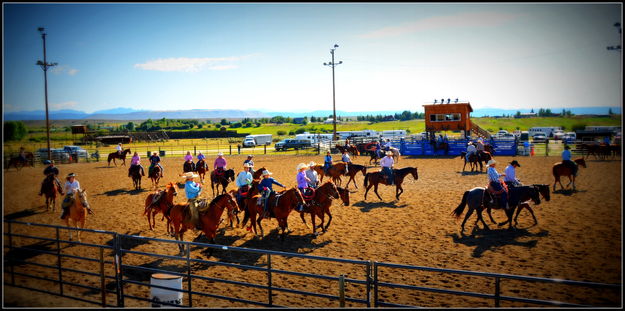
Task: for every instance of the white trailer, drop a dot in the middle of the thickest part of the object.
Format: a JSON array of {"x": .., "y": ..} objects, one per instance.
[
  {"x": 314, "y": 138},
  {"x": 257, "y": 140},
  {"x": 393, "y": 134},
  {"x": 547, "y": 130}
]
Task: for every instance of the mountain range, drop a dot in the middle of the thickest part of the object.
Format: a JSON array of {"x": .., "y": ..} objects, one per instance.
[{"x": 131, "y": 114}]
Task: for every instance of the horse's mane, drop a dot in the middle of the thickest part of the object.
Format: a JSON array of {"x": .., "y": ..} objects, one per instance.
[
  {"x": 217, "y": 198},
  {"x": 402, "y": 170}
]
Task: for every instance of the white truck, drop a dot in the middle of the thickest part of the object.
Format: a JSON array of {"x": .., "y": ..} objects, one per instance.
[{"x": 257, "y": 140}]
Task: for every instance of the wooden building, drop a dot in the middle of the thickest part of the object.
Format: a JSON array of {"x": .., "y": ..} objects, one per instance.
[{"x": 448, "y": 117}]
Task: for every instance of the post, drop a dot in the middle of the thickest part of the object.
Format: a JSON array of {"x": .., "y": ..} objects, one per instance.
[
  {"x": 375, "y": 285},
  {"x": 270, "y": 298},
  {"x": 265, "y": 149},
  {"x": 58, "y": 260},
  {"x": 369, "y": 283},
  {"x": 10, "y": 250},
  {"x": 230, "y": 149},
  {"x": 333, "y": 100},
  {"x": 497, "y": 292},
  {"x": 194, "y": 150},
  {"x": 44, "y": 65},
  {"x": 102, "y": 278},
  {"x": 189, "y": 275},
  {"x": 342, "y": 291},
  {"x": 547, "y": 147},
  {"x": 119, "y": 276}
]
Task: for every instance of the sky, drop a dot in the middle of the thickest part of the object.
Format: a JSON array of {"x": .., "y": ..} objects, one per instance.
[{"x": 270, "y": 56}]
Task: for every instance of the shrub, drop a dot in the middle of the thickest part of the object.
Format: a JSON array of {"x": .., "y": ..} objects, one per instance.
[
  {"x": 300, "y": 130},
  {"x": 578, "y": 126},
  {"x": 291, "y": 133},
  {"x": 281, "y": 133}
]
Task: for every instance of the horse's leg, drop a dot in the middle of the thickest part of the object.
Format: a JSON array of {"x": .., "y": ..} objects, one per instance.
[
  {"x": 326, "y": 211},
  {"x": 398, "y": 191},
  {"x": 466, "y": 217},
  {"x": 570, "y": 181},
  {"x": 312, "y": 219},
  {"x": 367, "y": 190},
  {"x": 479, "y": 217},
  {"x": 532, "y": 212},
  {"x": 375, "y": 189},
  {"x": 488, "y": 211},
  {"x": 572, "y": 178},
  {"x": 301, "y": 215},
  {"x": 67, "y": 225}
]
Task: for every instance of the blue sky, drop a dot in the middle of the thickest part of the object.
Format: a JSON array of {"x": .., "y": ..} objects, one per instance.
[{"x": 258, "y": 56}]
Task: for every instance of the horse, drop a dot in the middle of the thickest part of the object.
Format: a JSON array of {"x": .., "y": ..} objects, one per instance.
[
  {"x": 135, "y": 174},
  {"x": 19, "y": 162},
  {"x": 489, "y": 148},
  {"x": 201, "y": 169},
  {"x": 560, "y": 169},
  {"x": 50, "y": 189},
  {"x": 374, "y": 157},
  {"x": 210, "y": 218},
  {"x": 160, "y": 201},
  {"x": 351, "y": 149},
  {"x": 615, "y": 150},
  {"x": 258, "y": 173},
  {"x": 323, "y": 195},
  {"x": 544, "y": 192},
  {"x": 337, "y": 170},
  {"x": 77, "y": 212},
  {"x": 155, "y": 176},
  {"x": 396, "y": 153},
  {"x": 477, "y": 158},
  {"x": 223, "y": 180},
  {"x": 280, "y": 206},
  {"x": 352, "y": 170},
  {"x": 115, "y": 155},
  {"x": 593, "y": 149},
  {"x": 440, "y": 146},
  {"x": 477, "y": 200},
  {"x": 248, "y": 200},
  {"x": 375, "y": 178},
  {"x": 188, "y": 166}
]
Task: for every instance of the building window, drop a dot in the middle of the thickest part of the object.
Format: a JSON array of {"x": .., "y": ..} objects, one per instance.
[{"x": 445, "y": 117}]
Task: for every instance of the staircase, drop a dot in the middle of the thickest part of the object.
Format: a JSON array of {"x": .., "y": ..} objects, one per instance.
[{"x": 480, "y": 132}]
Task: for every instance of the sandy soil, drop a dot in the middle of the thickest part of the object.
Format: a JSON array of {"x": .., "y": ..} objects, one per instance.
[{"x": 578, "y": 237}]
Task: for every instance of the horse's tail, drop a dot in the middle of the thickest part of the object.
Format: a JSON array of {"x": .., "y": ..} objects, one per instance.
[
  {"x": 458, "y": 211},
  {"x": 367, "y": 179}
]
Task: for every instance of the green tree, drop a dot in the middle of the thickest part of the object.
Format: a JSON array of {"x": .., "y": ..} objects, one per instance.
[
  {"x": 130, "y": 126},
  {"x": 281, "y": 133},
  {"x": 14, "y": 130},
  {"x": 217, "y": 125},
  {"x": 223, "y": 122}
]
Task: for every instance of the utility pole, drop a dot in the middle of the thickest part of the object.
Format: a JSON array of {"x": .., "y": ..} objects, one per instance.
[
  {"x": 44, "y": 65},
  {"x": 333, "y": 64}
]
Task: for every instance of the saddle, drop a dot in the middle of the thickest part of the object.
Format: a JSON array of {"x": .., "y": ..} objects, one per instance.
[
  {"x": 243, "y": 191},
  {"x": 496, "y": 195},
  {"x": 157, "y": 197},
  {"x": 202, "y": 205},
  {"x": 219, "y": 172},
  {"x": 309, "y": 194}
]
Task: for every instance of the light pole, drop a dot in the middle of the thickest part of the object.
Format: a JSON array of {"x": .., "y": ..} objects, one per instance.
[
  {"x": 616, "y": 47},
  {"x": 44, "y": 65},
  {"x": 333, "y": 64}
]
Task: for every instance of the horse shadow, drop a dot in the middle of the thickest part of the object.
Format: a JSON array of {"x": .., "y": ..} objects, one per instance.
[
  {"x": 568, "y": 192},
  {"x": 368, "y": 206},
  {"x": 24, "y": 213},
  {"x": 485, "y": 240},
  {"x": 115, "y": 192},
  {"x": 128, "y": 243},
  {"x": 465, "y": 173},
  {"x": 17, "y": 256},
  {"x": 135, "y": 192}
]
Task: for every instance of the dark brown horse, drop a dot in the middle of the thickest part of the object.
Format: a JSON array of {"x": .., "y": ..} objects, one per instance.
[
  {"x": 135, "y": 174},
  {"x": 50, "y": 189},
  {"x": 280, "y": 206},
  {"x": 155, "y": 176},
  {"x": 375, "y": 178},
  {"x": 247, "y": 200},
  {"x": 258, "y": 173},
  {"x": 221, "y": 180},
  {"x": 160, "y": 202},
  {"x": 351, "y": 149},
  {"x": 352, "y": 170},
  {"x": 210, "y": 218},
  {"x": 335, "y": 171},
  {"x": 201, "y": 168},
  {"x": 560, "y": 169},
  {"x": 115, "y": 155},
  {"x": 542, "y": 189},
  {"x": 476, "y": 158},
  {"x": 19, "y": 162}
]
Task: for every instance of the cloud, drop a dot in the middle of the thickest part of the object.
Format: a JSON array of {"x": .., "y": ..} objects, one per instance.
[
  {"x": 64, "y": 105},
  {"x": 463, "y": 20},
  {"x": 185, "y": 64},
  {"x": 63, "y": 69}
]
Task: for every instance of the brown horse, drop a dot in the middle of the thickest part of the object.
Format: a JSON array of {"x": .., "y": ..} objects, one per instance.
[
  {"x": 210, "y": 218},
  {"x": 280, "y": 206},
  {"x": 77, "y": 212},
  {"x": 351, "y": 149},
  {"x": 221, "y": 180},
  {"x": 542, "y": 189},
  {"x": 560, "y": 169},
  {"x": 321, "y": 203},
  {"x": 474, "y": 159},
  {"x": 19, "y": 162},
  {"x": 258, "y": 173},
  {"x": 247, "y": 200},
  {"x": 375, "y": 178},
  {"x": 335, "y": 171},
  {"x": 589, "y": 149},
  {"x": 155, "y": 176},
  {"x": 160, "y": 202},
  {"x": 201, "y": 168},
  {"x": 50, "y": 189},
  {"x": 135, "y": 174},
  {"x": 352, "y": 170},
  {"x": 115, "y": 155}
]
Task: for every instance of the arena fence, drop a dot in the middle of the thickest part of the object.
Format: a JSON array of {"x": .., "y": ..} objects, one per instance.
[{"x": 51, "y": 258}]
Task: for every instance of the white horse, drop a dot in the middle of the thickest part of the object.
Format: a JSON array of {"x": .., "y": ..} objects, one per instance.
[{"x": 396, "y": 154}]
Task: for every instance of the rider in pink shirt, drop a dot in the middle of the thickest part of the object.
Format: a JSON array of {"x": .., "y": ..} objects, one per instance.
[{"x": 220, "y": 162}]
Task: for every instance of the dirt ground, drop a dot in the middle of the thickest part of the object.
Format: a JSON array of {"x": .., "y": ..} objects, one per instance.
[{"x": 578, "y": 236}]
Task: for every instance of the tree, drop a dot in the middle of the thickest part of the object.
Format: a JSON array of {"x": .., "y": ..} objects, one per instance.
[
  {"x": 610, "y": 111},
  {"x": 130, "y": 126},
  {"x": 281, "y": 133},
  {"x": 223, "y": 122},
  {"x": 518, "y": 114},
  {"x": 14, "y": 130}
]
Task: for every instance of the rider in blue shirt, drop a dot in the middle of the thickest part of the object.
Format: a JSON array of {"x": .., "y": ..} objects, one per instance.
[
  {"x": 327, "y": 163},
  {"x": 493, "y": 179},
  {"x": 566, "y": 160},
  {"x": 155, "y": 160},
  {"x": 265, "y": 187}
]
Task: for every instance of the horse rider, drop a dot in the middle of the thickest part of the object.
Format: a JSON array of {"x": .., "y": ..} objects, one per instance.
[
  {"x": 378, "y": 149},
  {"x": 480, "y": 147},
  {"x": 201, "y": 157},
  {"x": 302, "y": 182},
  {"x": 220, "y": 164},
  {"x": 345, "y": 158},
  {"x": 265, "y": 187},
  {"x": 346, "y": 143},
  {"x": 493, "y": 179},
  {"x": 155, "y": 160},
  {"x": 312, "y": 175},
  {"x": 51, "y": 170},
  {"x": 470, "y": 151},
  {"x": 134, "y": 162},
  {"x": 250, "y": 163},
  {"x": 192, "y": 190},
  {"x": 188, "y": 158},
  {"x": 566, "y": 160},
  {"x": 71, "y": 185},
  {"x": 243, "y": 182},
  {"x": 327, "y": 163},
  {"x": 119, "y": 149},
  {"x": 387, "y": 167},
  {"x": 387, "y": 145},
  {"x": 510, "y": 178},
  {"x": 22, "y": 155},
  {"x": 439, "y": 140},
  {"x": 606, "y": 140}
]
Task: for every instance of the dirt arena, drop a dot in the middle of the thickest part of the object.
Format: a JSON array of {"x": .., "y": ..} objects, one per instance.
[{"x": 578, "y": 235}]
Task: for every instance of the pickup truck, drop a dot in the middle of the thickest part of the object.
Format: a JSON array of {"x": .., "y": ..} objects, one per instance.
[
  {"x": 292, "y": 143},
  {"x": 82, "y": 153}
]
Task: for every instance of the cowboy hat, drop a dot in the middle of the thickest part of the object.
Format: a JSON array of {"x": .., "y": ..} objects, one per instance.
[
  {"x": 246, "y": 165},
  {"x": 250, "y": 156},
  {"x": 266, "y": 172},
  {"x": 301, "y": 166},
  {"x": 47, "y": 162},
  {"x": 220, "y": 154},
  {"x": 490, "y": 162},
  {"x": 514, "y": 162},
  {"x": 71, "y": 175},
  {"x": 388, "y": 153},
  {"x": 188, "y": 175},
  {"x": 311, "y": 164},
  {"x": 567, "y": 147}
]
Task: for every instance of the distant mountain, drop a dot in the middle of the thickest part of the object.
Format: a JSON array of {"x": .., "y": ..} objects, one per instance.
[{"x": 131, "y": 114}]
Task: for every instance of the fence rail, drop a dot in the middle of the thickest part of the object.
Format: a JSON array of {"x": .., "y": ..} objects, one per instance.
[{"x": 372, "y": 278}]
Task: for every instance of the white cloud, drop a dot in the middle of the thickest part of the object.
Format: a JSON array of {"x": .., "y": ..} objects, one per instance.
[
  {"x": 64, "y": 105},
  {"x": 63, "y": 69},
  {"x": 186, "y": 64},
  {"x": 471, "y": 19}
]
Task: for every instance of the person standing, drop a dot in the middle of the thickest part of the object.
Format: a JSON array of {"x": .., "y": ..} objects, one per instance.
[
  {"x": 155, "y": 160},
  {"x": 192, "y": 190},
  {"x": 495, "y": 184},
  {"x": 312, "y": 175},
  {"x": 510, "y": 175},
  {"x": 566, "y": 160},
  {"x": 134, "y": 162},
  {"x": 51, "y": 170},
  {"x": 387, "y": 168}
]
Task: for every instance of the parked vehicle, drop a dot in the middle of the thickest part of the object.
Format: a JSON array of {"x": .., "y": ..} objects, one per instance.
[
  {"x": 314, "y": 138},
  {"x": 257, "y": 140},
  {"x": 81, "y": 153},
  {"x": 569, "y": 137},
  {"x": 293, "y": 143},
  {"x": 539, "y": 137},
  {"x": 524, "y": 136},
  {"x": 547, "y": 130},
  {"x": 393, "y": 134},
  {"x": 558, "y": 134},
  {"x": 58, "y": 154},
  {"x": 501, "y": 133}
]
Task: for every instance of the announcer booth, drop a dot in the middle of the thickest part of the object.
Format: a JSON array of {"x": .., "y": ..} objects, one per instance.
[{"x": 448, "y": 117}]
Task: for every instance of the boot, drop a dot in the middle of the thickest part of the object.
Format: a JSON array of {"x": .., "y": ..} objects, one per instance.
[{"x": 89, "y": 211}]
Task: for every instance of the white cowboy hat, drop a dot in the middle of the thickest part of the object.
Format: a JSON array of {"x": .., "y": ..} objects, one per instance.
[
  {"x": 246, "y": 165},
  {"x": 188, "y": 175},
  {"x": 311, "y": 164},
  {"x": 389, "y": 153},
  {"x": 491, "y": 161},
  {"x": 301, "y": 166},
  {"x": 266, "y": 172},
  {"x": 220, "y": 154}
]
